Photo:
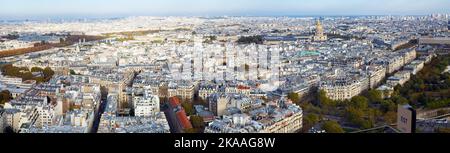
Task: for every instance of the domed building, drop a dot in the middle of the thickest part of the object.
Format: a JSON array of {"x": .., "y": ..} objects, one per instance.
[{"x": 319, "y": 35}]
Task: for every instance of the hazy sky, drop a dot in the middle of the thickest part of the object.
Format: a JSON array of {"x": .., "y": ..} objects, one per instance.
[{"x": 55, "y": 8}]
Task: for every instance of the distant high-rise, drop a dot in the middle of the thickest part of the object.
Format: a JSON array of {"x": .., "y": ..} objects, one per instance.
[
  {"x": 448, "y": 26},
  {"x": 319, "y": 35}
]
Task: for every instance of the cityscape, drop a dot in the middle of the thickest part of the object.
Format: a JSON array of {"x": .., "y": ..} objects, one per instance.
[{"x": 225, "y": 72}]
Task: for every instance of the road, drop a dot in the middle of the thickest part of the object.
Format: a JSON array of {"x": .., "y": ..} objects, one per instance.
[{"x": 98, "y": 115}]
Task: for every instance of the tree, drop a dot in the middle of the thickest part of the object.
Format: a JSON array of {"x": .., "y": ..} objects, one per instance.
[
  {"x": 372, "y": 114},
  {"x": 62, "y": 40},
  {"x": 27, "y": 76},
  {"x": 374, "y": 96},
  {"x": 36, "y": 69},
  {"x": 355, "y": 116},
  {"x": 246, "y": 67},
  {"x": 360, "y": 102},
  {"x": 332, "y": 127},
  {"x": 104, "y": 92},
  {"x": 197, "y": 121},
  {"x": 5, "y": 96},
  {"x": 390, "y": 117},
  {"x": 443, "y": 130},
  {"x": 311, "y": 119},
  {"x": 438, "y": 104},
  {"x": 200, "y": 101},
  {"x": 387, "y": 105},
  {"x": 190, "y": 130},
  {"x": 8, "y": 129},
  {"x": 401, "y": 100},
  {"x": 39, "y": 79},
  {"x": 210, "y": 39},
  {"x": 251, "y": 39},
  {"x": 420, "y": 100},
  {"x": 188, "y": 108},
  {"x": 366, "y": 124},
  {"x": 124, "y": 105},
  {"x": 48, "y": 72},
  {"x": 324, "y": 101},
  {"x": 294, "y": 97},
  {"x": 72, "y": 72},
  {"x": 308, "y": 107}
]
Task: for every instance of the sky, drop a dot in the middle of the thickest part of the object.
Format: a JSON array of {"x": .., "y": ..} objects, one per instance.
[{"x": 102, "y": 8}]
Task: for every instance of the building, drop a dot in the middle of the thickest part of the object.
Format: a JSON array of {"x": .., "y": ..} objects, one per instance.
[
  {"x": 393, "y": 64},
  {"x": 399, "y": 78},
  {"x": 185, "y": 90},
  {"x": 319, "y": 35},
  {"x": 205, "y": 91},
  {"x": 157, "y": 123},
  {"x": 146, "y": 105},
  {"x": 386, "y": 91},
  {"x": 204, "y": 113},
  {"x": 376, "y": 75},
  {"x": 218, "y": 102},
  {"x": 241, "y": 102},
  {"x": 110, "y": 122},
  {"x": 10, "y": 118},
  {"x": 344, "y": 88},
  {"x": 448, "y": 25},
  {"x": 406, "y": 119},
  {"x": 434, "y": 41},
  {"x": 178, "y": 116},
  {"x": 276, "y": 117},
  {"x": 408, "y": 55},
  {"x": 415, "y": 66},
  {"x": 46, "y": 116},
  {"x": 2, "y": 121}
]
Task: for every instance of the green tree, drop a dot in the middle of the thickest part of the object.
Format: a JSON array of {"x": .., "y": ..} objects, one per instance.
[
  {"x": 27, "y": 76},
  {"x": 401, "y": 100},
  {"x": 250, "y": 39},
  {"x": 246, "y": 67},
  {"x": 104, "y": 92},
  {"x": 360, "y": 102},
  {"x": 366, "y": 124},
  {"x": 373, "y": 115},
  {"x": 355, "y": 116},
  {"x": 374, "y": 96},
  {"x": 324, "y": 101},
  {"x": 72, "y": 72},
  {"x": 36, "y": 69},
  {"x": 294, "y": 97},
  {"x": 311, "y": 119},
  {"x": 443, "y": 130},
  {"x": 5, "y": 96},
  {"x": 190, "y": 130},
  {"x": 390, "y": 117},
  {"x": 423, "y": 99},
  {"x": 48, "y": 72},
  {"x": 197, "y": 121},
  {"x": 387, "y": 105},
  {"x": 39, "y": 79},
  {"x": 188, "y": 108},
  {"x": 332, "y": 127}
]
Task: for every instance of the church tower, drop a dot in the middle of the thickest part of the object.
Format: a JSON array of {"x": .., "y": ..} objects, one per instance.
[{"x": 319, "y": 35}]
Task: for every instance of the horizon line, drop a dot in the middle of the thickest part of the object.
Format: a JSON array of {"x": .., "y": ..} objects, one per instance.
[{"x": 56, "y": 17}]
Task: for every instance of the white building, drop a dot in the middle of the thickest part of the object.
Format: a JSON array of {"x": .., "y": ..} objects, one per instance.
[
  {"x": 399, "y": 78},
  {"x": 146, "y": 105},
  {"x": 281, "y": 117},
  {"x": 344, "y": 88}
]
